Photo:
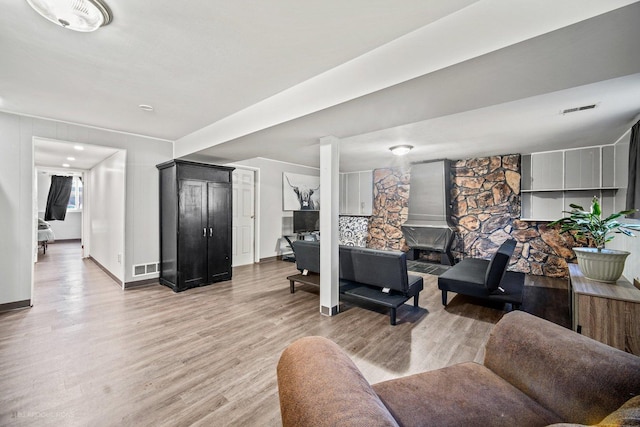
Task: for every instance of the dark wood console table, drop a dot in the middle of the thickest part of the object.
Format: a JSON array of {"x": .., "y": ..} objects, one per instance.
[
  {"x": 606, "y": 312},
  {"x": 307, "y": 279}
]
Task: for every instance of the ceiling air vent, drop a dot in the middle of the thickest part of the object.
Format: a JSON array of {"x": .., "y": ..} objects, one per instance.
[{"x": 574, "y": 109}]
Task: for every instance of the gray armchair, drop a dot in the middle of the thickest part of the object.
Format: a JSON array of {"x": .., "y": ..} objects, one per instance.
[{"x": 485, "y": 279}]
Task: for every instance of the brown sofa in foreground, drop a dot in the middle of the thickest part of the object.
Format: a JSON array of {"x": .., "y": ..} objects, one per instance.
[{"x": 535, "y": 373}]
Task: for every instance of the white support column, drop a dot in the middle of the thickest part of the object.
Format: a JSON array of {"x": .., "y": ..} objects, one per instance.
[{"x": 329, "y": 199}]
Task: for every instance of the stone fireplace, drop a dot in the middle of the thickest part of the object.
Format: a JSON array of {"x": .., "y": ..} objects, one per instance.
[{"x": 485, "y": 198}]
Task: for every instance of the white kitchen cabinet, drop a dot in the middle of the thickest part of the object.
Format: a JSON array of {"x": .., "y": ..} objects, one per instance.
[
  {"x": 356, "y": 193},
  {"x": 553, "y": 180}
]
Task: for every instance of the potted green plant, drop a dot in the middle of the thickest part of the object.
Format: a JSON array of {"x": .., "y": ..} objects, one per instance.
[{"x": 605, "y": 265}]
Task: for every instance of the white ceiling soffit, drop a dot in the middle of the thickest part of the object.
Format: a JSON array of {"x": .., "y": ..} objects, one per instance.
[
  {"x": 476, "y": 30},
  {"x": 589, "y": 62},
  {"x": 50, "y": 153},
  {"x": 521, "y": 126}
]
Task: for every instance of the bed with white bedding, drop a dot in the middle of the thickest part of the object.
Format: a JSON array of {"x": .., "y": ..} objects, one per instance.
[{"x": 45, "y": 234}]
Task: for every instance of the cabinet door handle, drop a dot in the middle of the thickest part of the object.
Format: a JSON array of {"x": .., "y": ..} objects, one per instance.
[
  {"x": 204, "y": 232},
  {"x": 210, "y": 231}
]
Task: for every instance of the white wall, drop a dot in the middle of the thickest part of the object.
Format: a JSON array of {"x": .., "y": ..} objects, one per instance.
[
  {"x": 632, "y": 245},
  {"x": 107, "y": 206},
  {"x": 622, "y": 242},
  {"x": 17, "y": 222},
  {"x": 17, "y": 230},
  {"x": 71, "y": 227},
  {"x": 270, "y": 187}
]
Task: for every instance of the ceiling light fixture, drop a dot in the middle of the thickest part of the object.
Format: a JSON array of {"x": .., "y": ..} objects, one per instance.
[
  {"x": 401, "y": 150},
  {"x": 66, "y": 165},
  {"x": 78, "y": 147},
  {"x": 71, "y": 159},
  {"x": 78, "y": 15},
  {"x": 145, "y": 107}
]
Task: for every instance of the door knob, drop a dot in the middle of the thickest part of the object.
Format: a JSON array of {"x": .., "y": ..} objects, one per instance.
[
  {"x": 210, "y": 231},
  {"x": 204, "y": 232}
]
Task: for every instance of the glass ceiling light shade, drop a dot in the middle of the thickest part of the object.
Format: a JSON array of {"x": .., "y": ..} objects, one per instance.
[
  {"x": 77, "y": 15},
  {"x": 401, "y": 150}
]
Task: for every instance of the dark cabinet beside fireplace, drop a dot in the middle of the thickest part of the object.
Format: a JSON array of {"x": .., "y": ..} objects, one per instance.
[{"x": 195, "y": 224}]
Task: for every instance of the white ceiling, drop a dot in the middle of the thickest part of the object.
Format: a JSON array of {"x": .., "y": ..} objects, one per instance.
[
  {"x": 56, "y": 154},
  {"x": 235, "y": 80}
]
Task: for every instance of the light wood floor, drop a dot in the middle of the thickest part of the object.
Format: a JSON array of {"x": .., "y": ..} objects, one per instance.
[{"x": 89, "y": 354}]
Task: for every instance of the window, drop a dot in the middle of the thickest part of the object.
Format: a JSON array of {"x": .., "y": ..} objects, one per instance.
[{"x": 75, "y": 200}]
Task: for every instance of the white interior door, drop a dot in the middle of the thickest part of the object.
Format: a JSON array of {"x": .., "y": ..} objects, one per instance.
[{"x": 243, "y": 223}]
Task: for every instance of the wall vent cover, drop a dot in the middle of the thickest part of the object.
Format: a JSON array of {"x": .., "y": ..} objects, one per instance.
[
  {"x": 144, "y": 269},
  {"x": 576, "y": 109}
]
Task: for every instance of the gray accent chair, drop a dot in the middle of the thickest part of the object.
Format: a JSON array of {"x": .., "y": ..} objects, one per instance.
[{"x": 487, "y": 279}]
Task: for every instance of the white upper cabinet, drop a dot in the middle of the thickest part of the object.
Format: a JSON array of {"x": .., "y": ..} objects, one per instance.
[
  {"x": 356, "y": 193},
  {"x": 576, "y": 169},
  {"x": 553, "y": 180},
  {"x": 582, "y": 169},
  {"x": 546, "y": 170}
]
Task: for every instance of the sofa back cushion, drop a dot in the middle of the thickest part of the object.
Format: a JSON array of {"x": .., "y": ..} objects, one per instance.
[
  {"x": 385, "y": 269},
  {"x": 580, "y": 379},
  {"x": 498, "y": 264},
  {"x": 307, "y": 255}
]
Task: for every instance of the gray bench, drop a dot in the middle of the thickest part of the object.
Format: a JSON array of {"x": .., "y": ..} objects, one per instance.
[{"x": 371, "y": 275}]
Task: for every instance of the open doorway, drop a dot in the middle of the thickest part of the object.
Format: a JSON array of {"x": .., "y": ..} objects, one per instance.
[
  {"x": 95, "y": 214},
  {"x": 55, "y": 230}
]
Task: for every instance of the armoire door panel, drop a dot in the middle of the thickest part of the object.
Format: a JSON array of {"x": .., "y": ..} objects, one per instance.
[
  {"x": 219, "y": 245},
  {"x": 192, "y": 242}
]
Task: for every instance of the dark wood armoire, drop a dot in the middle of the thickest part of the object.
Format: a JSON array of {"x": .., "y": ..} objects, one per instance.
[{"x": 195, "y": 224}]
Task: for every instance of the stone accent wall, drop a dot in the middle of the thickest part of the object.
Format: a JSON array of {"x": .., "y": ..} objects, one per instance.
[
  {"x": 485, "y": 198},
  {"x": 390, "y": 209}
]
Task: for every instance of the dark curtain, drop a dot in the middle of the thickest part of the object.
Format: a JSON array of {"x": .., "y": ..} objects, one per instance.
[
  {"x": 633, "y": 186},
  {"x": 58, "y": 198}
]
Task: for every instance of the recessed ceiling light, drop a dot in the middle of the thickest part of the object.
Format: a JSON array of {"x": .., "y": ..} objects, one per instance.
[
  {"x": 78, "y": 147},
  {"x": 71, "y": 159},
  {"x": 77, "y": 15},
  {"x": 145, "y": 107},
  {"x": 66, "y": 165},
  {"x": 401, "y": 150}
]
